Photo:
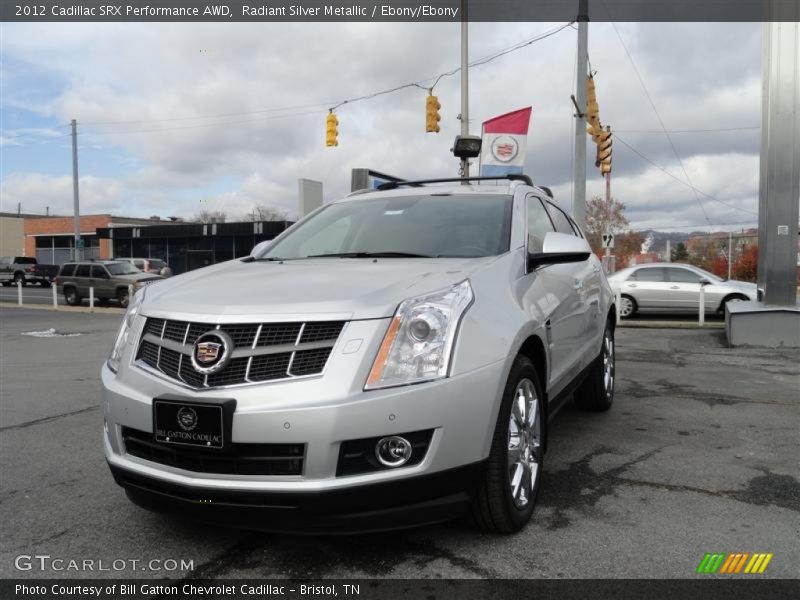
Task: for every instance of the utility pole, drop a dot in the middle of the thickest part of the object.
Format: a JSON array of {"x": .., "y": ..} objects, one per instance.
[
  {"x": 579, "y": 173},
  {"x": 730, "y": 254},
  {"x": 464, "y": 82},
  {"x": 75, "y": 199}
]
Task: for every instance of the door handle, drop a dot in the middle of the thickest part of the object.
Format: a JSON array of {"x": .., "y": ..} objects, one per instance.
[
  {"x": 631, "y": 285},
  {"x": 674, "y": 287}
]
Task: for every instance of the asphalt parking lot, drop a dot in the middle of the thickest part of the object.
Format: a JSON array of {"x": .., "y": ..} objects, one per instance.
[{"x": 699, "y": 454}]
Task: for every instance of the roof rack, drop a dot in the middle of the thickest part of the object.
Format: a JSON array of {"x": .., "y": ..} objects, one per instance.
[{"x": 391, "y": 185}]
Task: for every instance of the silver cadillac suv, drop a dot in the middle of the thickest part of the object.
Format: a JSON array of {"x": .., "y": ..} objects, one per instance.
[{"x": 391, "y": 360}]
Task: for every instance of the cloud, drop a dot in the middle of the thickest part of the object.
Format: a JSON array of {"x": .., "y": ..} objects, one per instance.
[
  {"x": 146, "y": 92},
  {"x": 39, "y": 193}
]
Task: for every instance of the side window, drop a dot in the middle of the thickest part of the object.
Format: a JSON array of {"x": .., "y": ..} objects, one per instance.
[
  {"x": 82, "y": 271},
  {"x": 139, "y": 264},
  {"x": 67, "y": 270},
  {"x": 560, "y": 219},
  {"x": 99, "y": 272},
  {"x": 539, "y": 224},
  {"x": 651, "y": 274},
  {"x": 678, "y": 275}
]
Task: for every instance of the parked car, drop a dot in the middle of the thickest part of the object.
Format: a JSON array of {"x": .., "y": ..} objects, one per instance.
[
  {"x": 149, "y": 265},
  {"x": 110, "y": 279},
  {"x": 392, "y": 359},
  {"x": 25, "y": 270},
  {"x": 675, "y": 287}
]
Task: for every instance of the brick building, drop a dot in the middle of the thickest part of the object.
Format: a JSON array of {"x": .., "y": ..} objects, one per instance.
[{"x": 51, "y": 239}]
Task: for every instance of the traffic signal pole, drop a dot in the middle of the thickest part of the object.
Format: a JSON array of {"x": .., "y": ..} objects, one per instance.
[
  {"x": 579, "y": 167},
  {"x": 464, "y": 171}
]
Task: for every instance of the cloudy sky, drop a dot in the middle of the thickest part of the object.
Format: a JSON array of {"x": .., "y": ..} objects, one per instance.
[{"x": 175, "y": 118}]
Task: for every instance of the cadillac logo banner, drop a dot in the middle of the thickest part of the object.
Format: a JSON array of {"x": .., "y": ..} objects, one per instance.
[{"x": 504, "y": 142}]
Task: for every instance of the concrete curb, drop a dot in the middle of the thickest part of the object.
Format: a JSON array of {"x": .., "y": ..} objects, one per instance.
[
  {"x": 669, "y": 325},
  {"x": 103, "y": 310}
]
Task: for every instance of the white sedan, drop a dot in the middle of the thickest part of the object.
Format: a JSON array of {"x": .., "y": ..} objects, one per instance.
[{"x": 675, "y": 288}]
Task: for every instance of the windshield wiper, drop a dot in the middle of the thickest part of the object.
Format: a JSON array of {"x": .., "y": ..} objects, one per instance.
[
  {"x": 370, "y": 255},
  {"x": 248, "y": 259}
]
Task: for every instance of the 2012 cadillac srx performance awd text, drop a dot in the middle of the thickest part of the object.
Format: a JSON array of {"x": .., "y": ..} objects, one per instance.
[{"x": 390, "y": 360}]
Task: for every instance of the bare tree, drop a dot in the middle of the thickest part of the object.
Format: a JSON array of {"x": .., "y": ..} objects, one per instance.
[
  {"x": 209, "y": 216},
  {"x": 261, "y": 212},
  {"x": 602, "y": 216}
]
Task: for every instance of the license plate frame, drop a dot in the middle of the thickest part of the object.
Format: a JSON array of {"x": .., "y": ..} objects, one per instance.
[{"x": 193, "y": 424}]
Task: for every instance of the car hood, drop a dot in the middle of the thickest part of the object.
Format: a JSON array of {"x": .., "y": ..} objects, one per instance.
[{"x": 334, "y": 288}]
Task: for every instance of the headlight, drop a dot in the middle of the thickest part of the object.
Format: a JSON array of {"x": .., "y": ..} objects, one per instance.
[
  {"x": 419, "y": 341},
  {"x": 124, "y": 330}
]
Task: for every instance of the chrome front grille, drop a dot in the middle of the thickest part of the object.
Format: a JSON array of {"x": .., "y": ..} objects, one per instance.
[{"x": 262, "y": 351}]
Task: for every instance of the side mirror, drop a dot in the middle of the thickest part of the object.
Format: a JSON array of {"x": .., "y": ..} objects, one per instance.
[
  {"x": 259, "y": 247},
  {"x": 560, "y": 248}
]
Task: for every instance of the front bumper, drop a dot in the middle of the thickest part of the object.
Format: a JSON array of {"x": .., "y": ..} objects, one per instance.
[
  {"x": 365, "y": 508},
  {"x": 321, "y": 413}
]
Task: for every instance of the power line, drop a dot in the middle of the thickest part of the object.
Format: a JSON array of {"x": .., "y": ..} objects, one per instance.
[
  {"x": 715, "y": 130},
  {"x": 679, "y": 180},
  {"x": 658, "y": 116}
]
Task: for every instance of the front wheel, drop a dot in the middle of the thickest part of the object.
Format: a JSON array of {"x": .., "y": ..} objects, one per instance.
[
  {"x": 71, "y": 296},
  {"x": 596, "y": 392},
  {"x": 507, "y": 493}
]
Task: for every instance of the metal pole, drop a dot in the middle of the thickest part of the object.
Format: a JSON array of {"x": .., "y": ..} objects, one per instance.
[
  {"x": 75, "y": 198},
  {"x": 779, "y": 193},
  {"x": 730, "y": 254},
  {"x": 19, "y": 293},
  {"x": 55, "y": 295},
  {"x": 464, "y": 82},
  {"x": 579, "y": 168},
  {"x": 668, "y": 257},
  {"x": 701, "y": 315},
  {"x": 91, "y": 299}
]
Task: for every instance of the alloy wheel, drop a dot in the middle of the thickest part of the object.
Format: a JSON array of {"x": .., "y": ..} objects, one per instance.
[
  {"x": 626, "y": 307},
  {"x": 524, "y": 443},
  {"x": 608, "y": 364}
]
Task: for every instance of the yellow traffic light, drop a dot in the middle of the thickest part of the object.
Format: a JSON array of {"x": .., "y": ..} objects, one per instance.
[
  {"x": 604, "y": 152},
  {"x": 432, "y": 117},
  {"x": 331, "y": 131},
  {"x": 592, "y": 110}
]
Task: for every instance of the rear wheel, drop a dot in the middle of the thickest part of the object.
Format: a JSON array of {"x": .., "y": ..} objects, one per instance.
[
  {"x": 122, "y": 297},
  {"x": 71, "y": 296},
  {"x": 45, "y": 283},
  {"x": 596, "y": 392},
  {"x": 507, "y": 493},
  {"x": 627, "y": 307}
]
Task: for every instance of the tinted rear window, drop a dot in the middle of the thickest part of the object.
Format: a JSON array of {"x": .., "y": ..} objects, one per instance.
[
  {"x": 82, "y": 271},
  {"x": 654, "y": 274},
  {"x": 25, "y": 260}
]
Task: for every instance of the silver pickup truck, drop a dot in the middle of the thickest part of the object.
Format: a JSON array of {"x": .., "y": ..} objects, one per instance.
[{"x": 390, "y": 360}]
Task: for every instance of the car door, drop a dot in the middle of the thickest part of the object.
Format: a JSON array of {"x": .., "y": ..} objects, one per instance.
[
  {"x": 684, "y": 288},
  {"x": 648, "y": 286},
  {"x": 551, "y": 294},
  {"x": 82, "y": 279},
  {"x": 586, "y": 279},
  {"x": 101, "y": 280}
]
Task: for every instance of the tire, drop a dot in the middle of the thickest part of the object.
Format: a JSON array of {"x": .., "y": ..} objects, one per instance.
[
  {"x": 596, "y": 392},
  {"x": 71, "y": 296},
  {"x": 6, "y": 283},
  {"x": 497, "y": 505},
  {"x": 122, "y": 297},
  {"x": 731, "y": 298},
  {"x": 45, "y": 284},
  {"x": 628, "y": 307},
  {"x": 19, "y": 277}
]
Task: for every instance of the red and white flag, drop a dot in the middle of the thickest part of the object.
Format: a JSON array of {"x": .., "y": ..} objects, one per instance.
[{"x": 505, "y": 139}]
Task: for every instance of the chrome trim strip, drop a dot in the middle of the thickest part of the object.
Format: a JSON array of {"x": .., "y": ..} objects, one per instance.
[{"x": 241, "y": 352}]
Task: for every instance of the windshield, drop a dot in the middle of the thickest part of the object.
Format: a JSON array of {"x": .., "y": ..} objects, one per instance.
[
  {"x": 122, "y": 269},
  {"x": 440, "y": 226}
]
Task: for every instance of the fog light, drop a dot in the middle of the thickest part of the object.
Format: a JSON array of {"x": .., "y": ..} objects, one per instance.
[{"x": 393, "y": 451}]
